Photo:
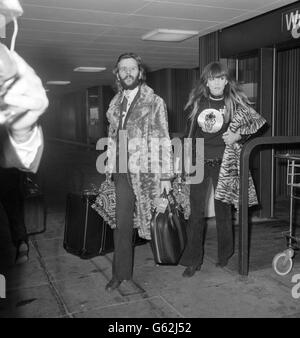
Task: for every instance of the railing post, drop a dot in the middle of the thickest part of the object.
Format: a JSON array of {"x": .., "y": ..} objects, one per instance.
[
  {"x": 243, "y": 217},
  {"x": 243, "y": 198}
]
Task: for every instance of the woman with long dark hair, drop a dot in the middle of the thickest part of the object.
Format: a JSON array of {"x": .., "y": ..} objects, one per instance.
[{"x": 221, "y": 114}]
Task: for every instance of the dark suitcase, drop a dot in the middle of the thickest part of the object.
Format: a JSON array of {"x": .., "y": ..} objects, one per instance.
[
  {"x": 168, "y": 235},
  {"x": 86, "y": 234}
]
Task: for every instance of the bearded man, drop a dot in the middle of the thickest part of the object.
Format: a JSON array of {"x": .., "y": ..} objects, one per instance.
[{"x": 139, "y": 156}]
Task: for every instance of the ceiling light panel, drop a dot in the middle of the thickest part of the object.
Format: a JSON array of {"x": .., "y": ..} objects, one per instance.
[
  {"x": 89, "y": 69},
  {"x": 58, "y": 83},
  {"x": 170, "y": 35}
]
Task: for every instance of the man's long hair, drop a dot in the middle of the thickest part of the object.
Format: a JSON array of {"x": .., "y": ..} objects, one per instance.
[
  {"x": 138, "y": 59},
  {"x": 233, "y": 93}
]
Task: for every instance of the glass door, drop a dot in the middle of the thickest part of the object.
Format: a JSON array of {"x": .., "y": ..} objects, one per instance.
[{"x": 245, "y": 69}]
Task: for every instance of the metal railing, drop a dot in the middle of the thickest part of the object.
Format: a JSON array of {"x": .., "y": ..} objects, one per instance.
[{"x": 244, "y": 185}]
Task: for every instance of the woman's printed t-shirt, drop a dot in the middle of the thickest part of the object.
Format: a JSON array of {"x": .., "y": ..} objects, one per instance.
[{"x": 210, "y": 125}]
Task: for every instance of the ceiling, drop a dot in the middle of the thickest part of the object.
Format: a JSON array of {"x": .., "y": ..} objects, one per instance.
[{"x": 58, "y": 35}]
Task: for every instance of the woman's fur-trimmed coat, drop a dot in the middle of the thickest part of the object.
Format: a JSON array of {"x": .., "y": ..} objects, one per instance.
[
  {"x": 248, "y": 122},
  {"x": 147, "y": 123}
]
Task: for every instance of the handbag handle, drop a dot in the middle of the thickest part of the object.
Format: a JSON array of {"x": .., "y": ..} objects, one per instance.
[
  {"x": 108, "y": 176},
  {"x": 177, "y": 206},
  {"x": 170, "y": 194}
]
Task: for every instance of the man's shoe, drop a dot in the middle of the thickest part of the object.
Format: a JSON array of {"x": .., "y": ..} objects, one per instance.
[
  {"x": 22, "y": 253},
  {"x": 190, "y": 270},
  {"x": 112, "y": 285}
]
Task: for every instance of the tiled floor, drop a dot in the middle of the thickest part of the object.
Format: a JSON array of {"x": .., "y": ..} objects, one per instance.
[{"x": 55, "y": 283}]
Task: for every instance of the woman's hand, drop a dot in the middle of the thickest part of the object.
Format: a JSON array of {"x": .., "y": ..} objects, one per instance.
[{"x": 230, "y": 138}]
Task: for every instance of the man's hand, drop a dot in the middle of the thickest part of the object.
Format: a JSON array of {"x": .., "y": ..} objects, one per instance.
[
  {"x": 230, "y": 138},
  {"x": 165, "y": 185},
  {"x": 26, "y": 100}
]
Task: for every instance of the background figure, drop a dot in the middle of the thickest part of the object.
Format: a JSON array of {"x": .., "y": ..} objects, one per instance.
[
  {"x": 219, "y": 112},
  {"x": 23, "y": 101},
  {"x": 143, "y": 115},
  {"x": 12, "y": 210}
]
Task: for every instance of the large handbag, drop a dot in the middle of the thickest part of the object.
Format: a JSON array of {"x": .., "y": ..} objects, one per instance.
[{"x": 168, "y": 233}]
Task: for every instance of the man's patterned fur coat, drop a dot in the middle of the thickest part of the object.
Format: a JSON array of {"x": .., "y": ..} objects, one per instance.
[{"x": 147, "y": 120}]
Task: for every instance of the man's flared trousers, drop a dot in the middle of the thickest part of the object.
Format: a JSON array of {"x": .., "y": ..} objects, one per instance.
[{"x": 123, "y": 253}]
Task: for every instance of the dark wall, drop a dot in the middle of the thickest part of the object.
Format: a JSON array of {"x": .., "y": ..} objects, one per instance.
[
  {"x": 262, "y": 31},
  {"x": 50, "y": 119},
  {"x": 209, "y": 49},
  {"x": 64, "y": 117},
  {"x": 67, "y": 115},
  {"x": 98, "y": 97},
  {"x": 287, "y": 117},
  {"x": 174, "y": 85}
]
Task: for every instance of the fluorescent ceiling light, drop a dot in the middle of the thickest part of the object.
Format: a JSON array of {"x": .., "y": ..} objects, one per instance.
[
  {"x": 89, "y": 69},
  {"x": 58, "y": 83},
  {"x": 174, "y": 35}
]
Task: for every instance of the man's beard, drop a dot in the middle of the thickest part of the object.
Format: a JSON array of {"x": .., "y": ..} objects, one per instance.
[{"x": 134, "y": 84}]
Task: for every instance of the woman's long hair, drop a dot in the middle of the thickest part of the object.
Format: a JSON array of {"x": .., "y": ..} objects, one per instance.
[{"x": 233, "y": 93}]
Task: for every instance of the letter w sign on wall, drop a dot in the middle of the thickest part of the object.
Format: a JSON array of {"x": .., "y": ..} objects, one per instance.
[{"x": 290, "y": 22}]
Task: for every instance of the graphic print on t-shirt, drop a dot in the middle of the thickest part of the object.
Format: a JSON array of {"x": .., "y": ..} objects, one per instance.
[{"x": 211, "y": 120}]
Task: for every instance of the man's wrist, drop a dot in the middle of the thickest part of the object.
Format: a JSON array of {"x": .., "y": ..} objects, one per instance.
[{"x": 22, "y": 136}]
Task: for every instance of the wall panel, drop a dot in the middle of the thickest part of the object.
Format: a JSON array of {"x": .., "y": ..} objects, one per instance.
[
  {"x": 208, "y": 49},
  {"x": 67, "y": 116},
  {"x": 173, "y": 85},
  {"x": 287, "y": 118}
]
